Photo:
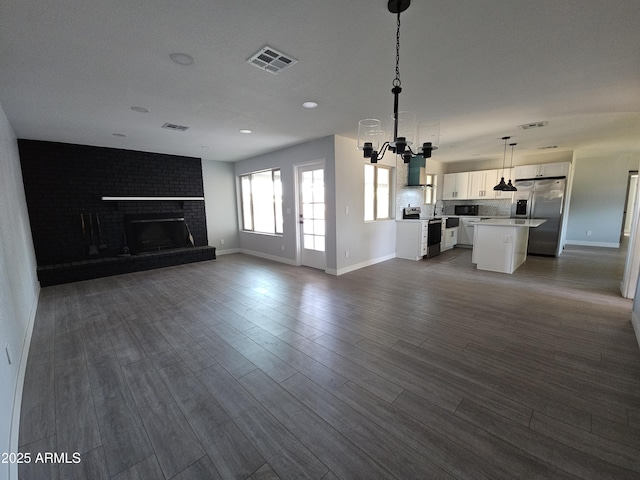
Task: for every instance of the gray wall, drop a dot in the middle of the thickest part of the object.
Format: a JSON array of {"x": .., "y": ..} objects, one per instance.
[
  {"x": 220, "y": 204},
  {"x": 19, "y": 287},
  {"x": 598, "y": 198},
  {"x": 283, "y": 248},
  {"x": 367, "y": 243}
]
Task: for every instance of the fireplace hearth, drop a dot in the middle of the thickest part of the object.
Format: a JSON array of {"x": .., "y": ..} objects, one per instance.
[{"x": 154, "y": 232}]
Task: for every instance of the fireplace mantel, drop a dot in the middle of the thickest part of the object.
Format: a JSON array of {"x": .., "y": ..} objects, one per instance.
[{"x": 146, "y": 199}]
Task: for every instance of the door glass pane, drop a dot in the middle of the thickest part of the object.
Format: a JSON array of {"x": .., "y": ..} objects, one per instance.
[
  {"x": 313, "y": 228},
  {"x": 308, "y": 242}
]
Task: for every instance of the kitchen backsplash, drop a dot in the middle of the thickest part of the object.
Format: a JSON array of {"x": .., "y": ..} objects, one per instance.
[{"x": 488, "y": 208}]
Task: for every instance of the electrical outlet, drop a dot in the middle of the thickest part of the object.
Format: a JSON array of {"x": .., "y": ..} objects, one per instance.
[
  {"x": 283, "y": 248},
  {"x": 346, "y": 254},
  {"x": 222, "y": 241},
  {"x": 589, "y": 233},
  {"x": 507, "y": 239}
]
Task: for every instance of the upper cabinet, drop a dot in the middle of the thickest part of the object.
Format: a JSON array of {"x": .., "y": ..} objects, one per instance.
[
  {"x": 455, "y": 186},
  {"x": 481, "y": 184},
  {"x": 560, "y": 169}
]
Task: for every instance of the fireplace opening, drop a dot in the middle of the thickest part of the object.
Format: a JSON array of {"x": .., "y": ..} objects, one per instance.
[{"x": 155, "y": 231}]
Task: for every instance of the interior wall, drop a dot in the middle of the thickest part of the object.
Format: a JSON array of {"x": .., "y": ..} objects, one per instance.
[
  {"x": 283, "y": 248},
  {"x": 598, "y": 198},
  {"x": 358, "y": 243},
  {"x": 221, "y": 206},
  {"x": 19, "y": 288}
]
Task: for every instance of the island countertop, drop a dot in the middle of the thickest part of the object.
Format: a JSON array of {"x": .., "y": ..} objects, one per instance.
[{"x": 512, "y": 222}]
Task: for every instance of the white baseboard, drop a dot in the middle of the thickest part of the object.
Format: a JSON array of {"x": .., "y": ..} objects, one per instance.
[
  {"x": 14, "y": 436},
  {"x": 358, "y": 266},
  {"x": 267, "y": 256},
  {"x": 635, "y": 321},
  {"x": 227, "y": 252},
  {"x": 582, "y": 243}
]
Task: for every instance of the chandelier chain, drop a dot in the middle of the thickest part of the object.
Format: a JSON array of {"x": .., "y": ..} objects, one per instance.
[{"x": 396, "y": 81}]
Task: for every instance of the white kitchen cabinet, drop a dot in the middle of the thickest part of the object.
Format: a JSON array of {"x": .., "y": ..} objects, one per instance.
[
  {"x": 411, "y": 239},
  {"x": 449, "y": 238},
  {"x": 466, "y": 229},
  {"x": 455, "y": 186},
  {"x": 559, "y": 169},
  {"x": 481, "y": 184}
]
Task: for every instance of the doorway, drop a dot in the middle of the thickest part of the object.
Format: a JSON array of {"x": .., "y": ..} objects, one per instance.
[
  {"x": 632, "y": 185},
  {"x": 311, "y": 215},
  {"x": 631, "y": 239}
]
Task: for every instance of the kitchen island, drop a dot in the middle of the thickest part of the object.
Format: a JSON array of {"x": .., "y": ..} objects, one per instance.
[{"x": 500, "y": 244}]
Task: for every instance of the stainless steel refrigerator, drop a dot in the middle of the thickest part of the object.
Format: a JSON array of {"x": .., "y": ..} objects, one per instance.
[{"x": 541, "y": 198}]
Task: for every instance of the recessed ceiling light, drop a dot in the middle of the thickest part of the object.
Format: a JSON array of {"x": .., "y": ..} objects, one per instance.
[
  {"x": 310, "y": 105},
  {"x": 140, "y": 109},
  {"x": 181, "y": 58},
  {"x": 118, "y": 134},
  {"x": 245, "y": 131}
]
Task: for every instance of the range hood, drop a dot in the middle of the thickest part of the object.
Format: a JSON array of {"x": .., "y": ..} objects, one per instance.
[{"x": 417, "y": 172}]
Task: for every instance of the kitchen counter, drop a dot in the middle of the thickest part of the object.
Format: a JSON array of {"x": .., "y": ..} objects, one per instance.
[
  {"x": 512, "y": 222},
  {"x": 500, "y": 244}
]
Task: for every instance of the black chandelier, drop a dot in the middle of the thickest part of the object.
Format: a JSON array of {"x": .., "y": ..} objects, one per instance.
[{"x": 370, "y": 132}]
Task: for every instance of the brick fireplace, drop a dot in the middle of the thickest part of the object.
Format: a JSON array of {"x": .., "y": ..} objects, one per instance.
[{"x": 66, "y": 186}]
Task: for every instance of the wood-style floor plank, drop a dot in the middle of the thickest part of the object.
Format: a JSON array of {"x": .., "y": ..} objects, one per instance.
[
  {"x": 173, "y": 440},
  {"x": 124, "y": 439},
  {"x": 245, "y": 368}
]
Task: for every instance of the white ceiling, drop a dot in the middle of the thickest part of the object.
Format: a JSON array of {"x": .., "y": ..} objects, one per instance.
[{"x": 71, "y": 69}]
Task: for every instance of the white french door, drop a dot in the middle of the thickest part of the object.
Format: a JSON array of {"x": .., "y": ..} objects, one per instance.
[{"x": 311, "y": 215}]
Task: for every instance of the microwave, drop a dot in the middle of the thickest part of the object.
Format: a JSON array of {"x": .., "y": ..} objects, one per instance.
[{"x": 465, "y": 209}]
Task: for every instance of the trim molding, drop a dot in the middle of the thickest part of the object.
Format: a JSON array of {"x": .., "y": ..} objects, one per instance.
[
  {"x": 358, "y": 266},
  {"x": 227, "y": 252},
  {"x": 17, "y": 397},
  {"x": 288, "y": 261},
  {"x": 583, "y": 243},
  {"x": 635, "y": 321}
]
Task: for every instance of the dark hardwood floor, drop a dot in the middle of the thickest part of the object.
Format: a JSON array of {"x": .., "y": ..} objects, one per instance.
[{"x": 245, "y": 368}]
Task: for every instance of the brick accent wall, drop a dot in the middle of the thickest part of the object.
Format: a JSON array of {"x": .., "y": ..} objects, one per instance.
[{"x": 63, "y": 181}]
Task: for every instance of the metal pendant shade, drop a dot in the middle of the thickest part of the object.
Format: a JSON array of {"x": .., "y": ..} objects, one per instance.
[{"x": 503, "y": 187}]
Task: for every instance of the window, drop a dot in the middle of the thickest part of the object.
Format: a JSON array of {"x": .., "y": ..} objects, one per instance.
[
  {"x": 262, "y": 202},
  {"x": 377, "y": 192},
  {"x": 430, "y": 191}
]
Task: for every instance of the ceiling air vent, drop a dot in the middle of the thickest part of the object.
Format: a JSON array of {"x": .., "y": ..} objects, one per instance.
[
  {"x": 271, "y": 60},
  {"x": 173, "y": 126},
  {"x": 548, "y": 147},
  {"x": 527, "y": 126}
]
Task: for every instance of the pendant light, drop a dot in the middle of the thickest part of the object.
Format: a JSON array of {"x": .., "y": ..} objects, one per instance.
[
  {"x": 370, "y": 131},
  {"x": 502, "y": 187},
  {"x": 510, "y": 186}
]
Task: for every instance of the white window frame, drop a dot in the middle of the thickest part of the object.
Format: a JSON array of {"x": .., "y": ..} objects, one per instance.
[
  {"x": 430, "y": 193},
  {"x": 274, "y": 198},
  {"x": 372, "y": 202}
]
